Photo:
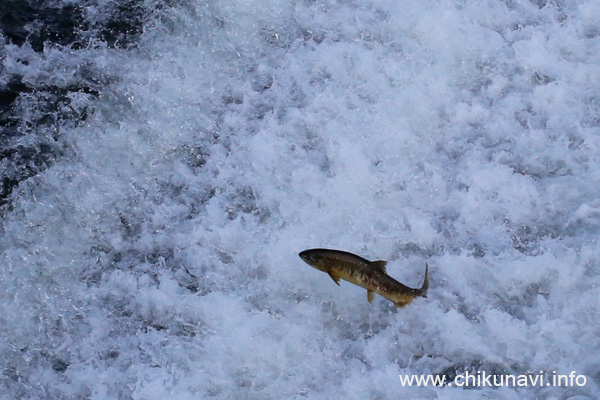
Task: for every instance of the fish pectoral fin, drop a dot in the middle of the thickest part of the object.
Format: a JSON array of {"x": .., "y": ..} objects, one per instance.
[
  {"x": 370, "y": 296},
  {"x": 335, "y": 278}
]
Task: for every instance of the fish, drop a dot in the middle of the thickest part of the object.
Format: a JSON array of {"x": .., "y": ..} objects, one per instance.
[{"x": 371, "y": 275}]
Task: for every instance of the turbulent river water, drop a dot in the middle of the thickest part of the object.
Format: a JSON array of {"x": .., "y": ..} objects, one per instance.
[{"x": 162, "y": 163}]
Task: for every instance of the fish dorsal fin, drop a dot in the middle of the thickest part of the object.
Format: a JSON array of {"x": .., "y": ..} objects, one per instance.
[{"x": 379, "y": 265}]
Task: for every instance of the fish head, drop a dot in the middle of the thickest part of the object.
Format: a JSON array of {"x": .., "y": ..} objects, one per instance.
[{"x": 316, "y": 258}]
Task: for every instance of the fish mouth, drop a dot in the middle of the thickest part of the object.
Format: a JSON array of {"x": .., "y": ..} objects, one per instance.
[
  {"x": 309, "y": 257},
  {"x": 313, "y": 259},
  {"x": 305, "y": 256}
]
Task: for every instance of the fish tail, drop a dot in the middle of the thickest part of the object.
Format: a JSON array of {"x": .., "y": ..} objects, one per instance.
[{"x": 423, "y": 290}]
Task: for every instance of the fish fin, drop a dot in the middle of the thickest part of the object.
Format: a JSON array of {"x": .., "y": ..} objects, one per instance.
[
  {"x": 370, "y": 296},
  {"x": 423, "y": 290},
  {"x": 401, "y": 304},
  {"x": 335, "y": 278},
  {"x": 379, "y": 265}
]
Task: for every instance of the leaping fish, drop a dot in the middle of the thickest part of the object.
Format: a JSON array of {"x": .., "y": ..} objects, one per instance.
[{"x": 370, "y": 275}]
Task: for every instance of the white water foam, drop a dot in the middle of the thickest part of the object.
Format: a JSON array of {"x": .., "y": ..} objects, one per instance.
[{"x": 160, "y": 260}]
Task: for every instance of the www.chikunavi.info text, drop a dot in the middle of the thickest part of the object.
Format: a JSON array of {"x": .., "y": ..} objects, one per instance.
[{"x": 485, "y": 379}]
